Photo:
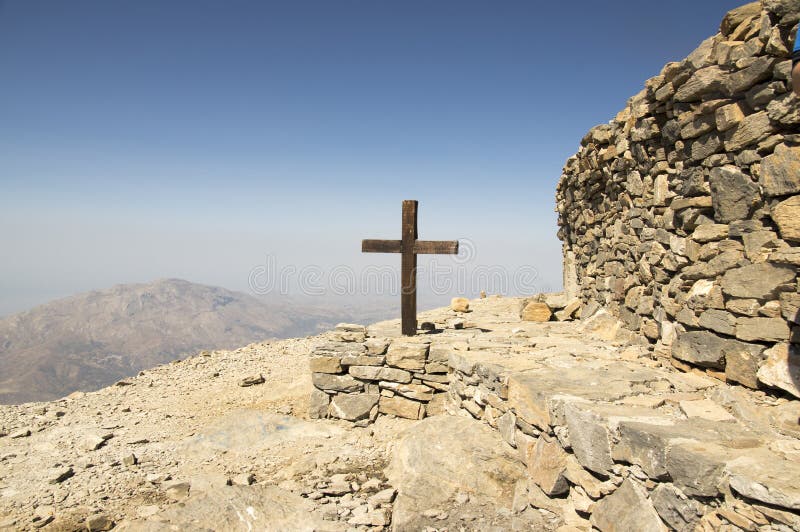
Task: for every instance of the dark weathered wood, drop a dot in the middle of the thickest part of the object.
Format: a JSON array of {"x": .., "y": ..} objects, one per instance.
[
  {"x": 421, "y": 247},
  {"x": 381, "y": 246},
  {"x": 408, "y": 270},
  {"x": 436, "y": 247},
  {"x": 409, "y": 247}
]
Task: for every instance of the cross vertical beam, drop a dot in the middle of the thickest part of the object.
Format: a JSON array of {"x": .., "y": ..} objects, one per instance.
[
  {"x": 409, "y": 247},
  {"x": 408, "y": 269}
]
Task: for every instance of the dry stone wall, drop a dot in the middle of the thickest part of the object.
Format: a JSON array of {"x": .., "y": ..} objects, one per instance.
[
  {"x": 605, "y": 456},
  {"x": 682, "y": 214},
  {"x": 357, "y": 377}
]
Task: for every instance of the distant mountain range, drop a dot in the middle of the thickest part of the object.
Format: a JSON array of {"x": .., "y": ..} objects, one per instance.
[{"x": 91, "y": 340}]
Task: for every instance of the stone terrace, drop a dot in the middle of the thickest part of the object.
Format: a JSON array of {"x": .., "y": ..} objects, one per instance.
[{"x": 611, "y": 433}]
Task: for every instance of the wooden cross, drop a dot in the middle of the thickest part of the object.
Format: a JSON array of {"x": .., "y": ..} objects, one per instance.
[{"x": 409, "y": 247}]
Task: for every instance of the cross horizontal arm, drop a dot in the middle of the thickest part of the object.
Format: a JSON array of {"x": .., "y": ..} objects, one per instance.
[
  {"x": 381, "y": 246},
  {"x": 436, "y": 247}
]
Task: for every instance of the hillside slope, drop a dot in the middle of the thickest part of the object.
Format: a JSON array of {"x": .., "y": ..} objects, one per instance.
[{"x": 91, "y": 340}]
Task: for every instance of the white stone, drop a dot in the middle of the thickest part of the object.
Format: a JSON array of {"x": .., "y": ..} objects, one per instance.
[
  {"x": 705, "y": 409},
  {"x": 781, "y": 369}
]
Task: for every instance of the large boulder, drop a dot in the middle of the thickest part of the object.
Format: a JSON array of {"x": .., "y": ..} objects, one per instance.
[{"x": 445, "y": 456}]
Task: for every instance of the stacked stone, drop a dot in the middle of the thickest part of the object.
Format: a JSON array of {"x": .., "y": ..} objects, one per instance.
[
  {"x": 628, "y": 466},
  {"x": 682, "y": 215},
  {"x": 545, "y": 307},
  {"x": 356, "y": 378}
]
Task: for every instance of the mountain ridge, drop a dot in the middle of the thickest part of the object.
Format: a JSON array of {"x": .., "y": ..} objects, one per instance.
[{"x": 90, "y": 340}]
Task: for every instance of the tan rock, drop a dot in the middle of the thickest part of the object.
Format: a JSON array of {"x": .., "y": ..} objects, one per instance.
[
  {"x": 729, "y": 116},
  {"x": 363, "y": 360},
  {"x": 756, "y": 281},
  {"x": 336, "y": 383},
  {"x": 710, "y": 232},
  {"x": 252, "y": 380},
  {"x": 675, "y": 508},
  {"x": 735, "y": 17},
  {"x": 376, "y": 518},
  {"x": 176, "y": 489},
  {"x": 353, "y": 407},
  {"x": 348, "y": 336},
  {"x": 438, "y": 405},
  {"x": 628, "y": 508},
  {"x": 242, "y": 479},
  {"x": 781, "y": 369},
  {"x": 646, "y": 401},
  {"x": 602, "y": 325},
  {"x": 446, "y": 459},
  {"x": 568, "y": 312},
  {"x": 787, "y": 217},
  {"x": 579, "y": 476},
  {"x": 780, "y": 172},
  {"x": 536, "y": 311},
  {"x": 555, "y": 300},
  {"x": 765, "y": 477},
  {"x": 350, "y": 327},
  {"x": 326, "y": 364},
  {"x": 401, "y": 407},
  {"x": 753, "y": 128},
  {"x": 380, "y": 373},
  {"x": 20, "y": 433},
  {"x": 99, "y": 522},
  {"x": 376, "y": 346},
  {"x": 762, "y": 329},
  {"x": 547, "y": 465},
  {"x": 239, "y": 508},
  {"x": 678, "y": 204},
  {"x": 318, "y": 404},
  {"x": 705, "y": 409},
  {"x": 419, "y": 392},
  {"x": 459, "y": 304},
  {"x": 92, "y": 442},
  {"x": 409, "y": 356},
  {"x": 742, "y": 361}
]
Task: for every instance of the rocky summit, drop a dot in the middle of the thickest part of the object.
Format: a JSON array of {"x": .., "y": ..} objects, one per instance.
[
  {"x": 659, "y": 391},
  {"x": 543, "y": 426}
]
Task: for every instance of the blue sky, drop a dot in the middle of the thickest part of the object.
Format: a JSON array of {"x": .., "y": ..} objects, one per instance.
[{"x": 149, "y": 139}]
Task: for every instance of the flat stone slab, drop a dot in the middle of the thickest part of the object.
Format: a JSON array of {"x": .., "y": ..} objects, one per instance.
[
  {"x": 235, "y": 508},
  {"x": 621, "y": 404},
  {"x": 536, "y": 395},
  {"x": 244, "y": 431},
  {"x": 444, "y": 456},
  {"x": 762, "y": 477}
]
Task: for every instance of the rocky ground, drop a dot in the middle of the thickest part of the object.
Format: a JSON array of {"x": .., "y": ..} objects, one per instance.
[
  {"x": 222, "y": 441},
  {"x": 176, "y": 442}
]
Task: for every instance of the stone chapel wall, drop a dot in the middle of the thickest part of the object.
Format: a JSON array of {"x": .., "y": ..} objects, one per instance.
[{"x": 682, "y": 214}]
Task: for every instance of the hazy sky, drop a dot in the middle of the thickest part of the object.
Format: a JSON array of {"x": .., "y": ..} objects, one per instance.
[{"x": 148, "y": 139}]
